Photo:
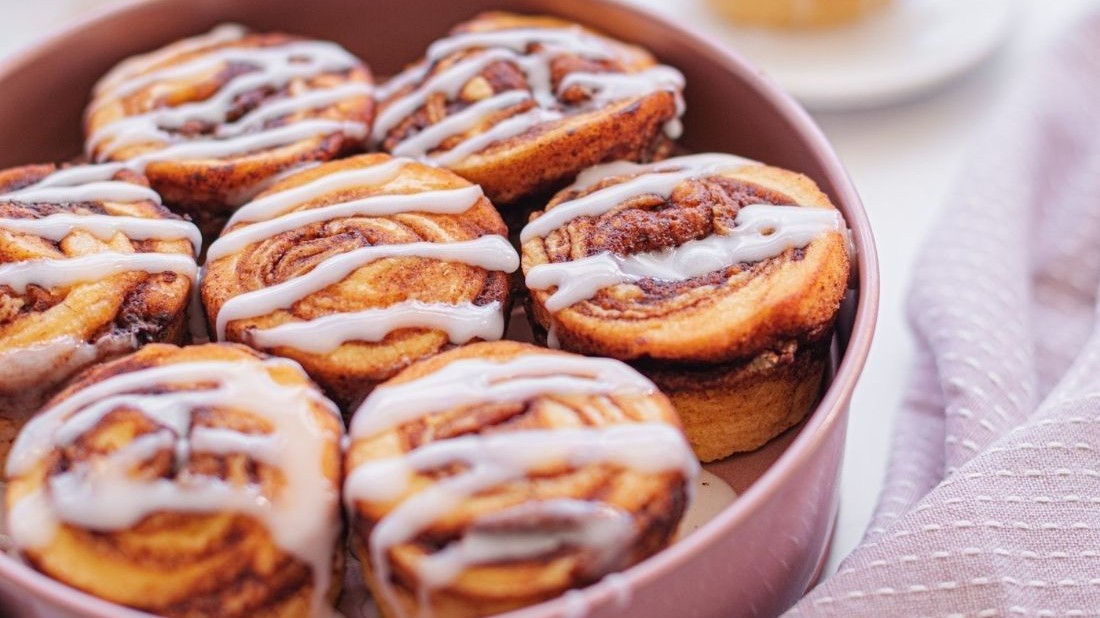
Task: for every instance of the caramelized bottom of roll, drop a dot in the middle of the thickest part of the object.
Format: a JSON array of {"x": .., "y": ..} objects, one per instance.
[{"x": 734, "y": 408}]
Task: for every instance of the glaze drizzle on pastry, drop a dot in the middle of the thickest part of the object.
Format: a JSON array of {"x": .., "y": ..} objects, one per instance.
[
  {"x": 271, "y": 68},
  {"x": 91, "y": 183},
  {"x": 106, "y": 494},
  {"x": 270, "y": 215},
  {"x": 761, "y": 231},
  {"x": 487, "y": 461},
  {"x": 532, "y": 50}
]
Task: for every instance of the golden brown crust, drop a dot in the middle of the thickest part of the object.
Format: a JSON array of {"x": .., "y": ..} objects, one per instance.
[
  {"x": 515, "y": 168},
  {"x": 179, "y": 563},
  {"x": 722, "y": 317},
  {"x": 655, "y": 500},
  {"x": 549, "y": 154},
  {"x": 737, "y": 407},
  {"x": 349, "y": 372},
  {"x": 208, "y": 189},
  {"x": 715, "y": 327},
  {"x": 47, "y": 334}
]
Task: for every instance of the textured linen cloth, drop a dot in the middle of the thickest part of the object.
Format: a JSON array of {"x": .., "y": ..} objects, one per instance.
[{"x": 992, "y": 499}]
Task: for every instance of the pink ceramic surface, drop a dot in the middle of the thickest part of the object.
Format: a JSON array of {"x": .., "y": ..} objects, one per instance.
[{"x": 760, "y": 554}]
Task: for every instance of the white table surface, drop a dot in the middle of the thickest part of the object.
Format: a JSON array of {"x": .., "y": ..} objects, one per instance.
[{"x": 903, "y": 160}]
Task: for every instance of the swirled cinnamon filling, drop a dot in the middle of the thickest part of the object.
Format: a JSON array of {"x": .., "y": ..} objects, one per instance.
[{"x": 696, "y": 209}]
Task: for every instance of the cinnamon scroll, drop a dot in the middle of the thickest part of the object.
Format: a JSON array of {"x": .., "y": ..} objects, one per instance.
[
  {"x": 718, "y": 277},
  {"x": 213, "y": 118},
  {"x": 185, "y": 482},
  {"x": 520, "y": 104},
  {"x": 92, "y": 266},
  {"x": 359, "y": 267},
  {"x": 499, "y": 475}
]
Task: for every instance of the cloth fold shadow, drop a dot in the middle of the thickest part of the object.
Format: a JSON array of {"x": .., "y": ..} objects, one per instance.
[{"x": 991, "y": 505}]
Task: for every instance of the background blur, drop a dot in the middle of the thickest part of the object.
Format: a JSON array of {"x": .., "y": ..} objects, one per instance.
[{"x": 902, "y": 157}]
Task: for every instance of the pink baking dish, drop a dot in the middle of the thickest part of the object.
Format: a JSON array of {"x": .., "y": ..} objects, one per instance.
[{"x": 759, "y": 555}]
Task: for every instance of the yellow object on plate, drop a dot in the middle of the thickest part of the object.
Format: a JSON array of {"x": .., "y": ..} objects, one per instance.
[{"x": 795, "y": 13}]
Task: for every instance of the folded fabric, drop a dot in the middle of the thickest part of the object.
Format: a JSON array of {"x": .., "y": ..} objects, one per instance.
[{"x": 992, "y": 499}]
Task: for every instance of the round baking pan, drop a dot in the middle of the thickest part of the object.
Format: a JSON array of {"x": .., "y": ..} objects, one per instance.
[{"x": 757, "y": 556}]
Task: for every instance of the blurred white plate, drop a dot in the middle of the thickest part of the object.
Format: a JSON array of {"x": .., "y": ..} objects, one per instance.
[
  {"x": 900, "y": 51},
  {"x": 905, "y": 49}
]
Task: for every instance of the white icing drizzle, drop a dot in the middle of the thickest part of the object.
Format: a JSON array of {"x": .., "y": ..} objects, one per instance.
[
  {"x": 445, "y": 201},
  {"x": 273, "y": 67},
  {"x": 407, "y": 77},
  {"x": 458, "y": 124},
  {"x": 461, "y": 322},
  {"x": 659, "y": 178},
  {"x": 494, "y": 459},
  {"x": 576, "y": 605},
  {"x": 287, "y": 210},
  {"x": 57, "y": 226},
  {"x": 488, "y": 252},
  {"x": 92, "y": 184},
  {"x": 470, "y": 382},
  {"x": 103, "y": 495},
  {"x": 761, "y": 231},
  {"x": 135, "y": 65},
  {"x": 509, "y": 127},
  {"x": 552, "y": 340},
  {"x": 268, "y": 138},
  {"x": 274, "y": 204},
  {"x": 108, "y": 191},
  {"x": 599, "y": 528},
  {"x": 604, "y": 88},
  {"x": 509, "y": 45},
  {"x": 571, "y": 39},
  {"x": 50, "y": 273},
  {"x": 31, "y": 372},
  {"x": 712, "y": 496},
  {"x": 448, "y": 82},
  {"x": 701, "y": 162},
  {"x": 620, "y": 589},
  {"x": 77, "y": 175},
  {"x": 82, "y": 183},
  {"x": 310, "y": 100}
]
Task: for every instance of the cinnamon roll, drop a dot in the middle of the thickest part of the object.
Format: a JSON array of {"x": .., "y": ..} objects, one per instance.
[
  {"x": 213, "y": 118},
  {"x": 718, "y": 277},
  {"x": 198, "y": 481},
  {"x": 92, "y": 266},
  {"x": 499, "y": 475},
  {"x": 359, "y": 267},
  {"x": 520, "y": 104}
]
